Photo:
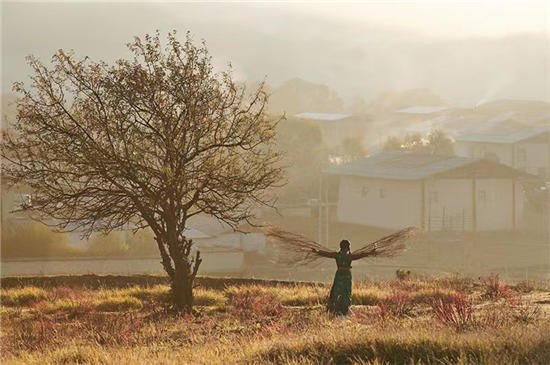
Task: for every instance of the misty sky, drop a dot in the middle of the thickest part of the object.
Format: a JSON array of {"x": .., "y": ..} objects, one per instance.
[{"x": 465, "y": 52}]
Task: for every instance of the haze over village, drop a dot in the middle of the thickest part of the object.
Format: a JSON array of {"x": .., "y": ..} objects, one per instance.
[
  {"x": 392, "y": 119},
  {"x": 275, "y": 182}
]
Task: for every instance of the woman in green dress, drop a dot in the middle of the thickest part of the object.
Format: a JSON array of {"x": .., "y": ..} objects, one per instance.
[
  {"x": 340, "y": 293},
  {"x": 298, "y": 249}
]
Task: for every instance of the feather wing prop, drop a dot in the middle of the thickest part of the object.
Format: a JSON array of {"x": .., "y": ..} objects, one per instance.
[
  {"x": 293, "y": 249},
  {"x": 389, "y": 246}
]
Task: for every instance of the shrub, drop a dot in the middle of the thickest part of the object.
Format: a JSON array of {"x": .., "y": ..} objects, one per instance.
[
  {"x": 496, "y": 290},
  {"x": 398, "y": 304},
  {"x": 252, "y": 303},
  {"x": 456, "y": 312},
  {"x": 402, "y": 274},
  {"x": 33, "y": 239},
  {"x": 114, "y": 244}
]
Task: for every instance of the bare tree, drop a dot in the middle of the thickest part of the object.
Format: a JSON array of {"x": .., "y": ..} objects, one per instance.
[{"x": 150, "y": 142}]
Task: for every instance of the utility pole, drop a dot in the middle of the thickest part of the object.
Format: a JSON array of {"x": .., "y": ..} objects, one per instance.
[
  {"x": 323, "y": 208},
  {"x": 326, "y": 212},
  {"x": 320, "y": 206}
]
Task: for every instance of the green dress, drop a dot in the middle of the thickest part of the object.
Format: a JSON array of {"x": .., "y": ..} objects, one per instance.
[{"x": 340, "y": 294}]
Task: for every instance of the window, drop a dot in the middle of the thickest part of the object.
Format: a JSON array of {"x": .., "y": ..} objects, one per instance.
[
  {"x": 365, "y": 192},
  {"x": 521, "y": 157},
  {"x": 480, "y": 151},
  {"x": 481, "y": 195},
  {"x": 433, "y": 197},
  {"x": 382, "y": 193}
]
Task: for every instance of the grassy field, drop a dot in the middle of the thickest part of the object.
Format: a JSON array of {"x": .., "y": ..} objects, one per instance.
[{"x": 124, "y": 321}]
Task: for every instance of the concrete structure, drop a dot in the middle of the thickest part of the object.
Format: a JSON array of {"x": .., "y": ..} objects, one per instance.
[
  {"x": 435, "y": 193},
  {"x": 527, "y": 150}
]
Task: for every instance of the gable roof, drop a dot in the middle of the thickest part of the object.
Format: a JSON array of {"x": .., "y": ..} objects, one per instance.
[
  {"x": 502, "y": 138},
  {"x": 322, "y": 116},
  {"x": 399, "y": 165},
  {"x": 503, "y": 105},
  {"x": 422, "y": 109}
]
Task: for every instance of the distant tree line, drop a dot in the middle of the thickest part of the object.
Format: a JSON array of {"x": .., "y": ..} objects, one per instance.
[{"x": 435, "y": 142}]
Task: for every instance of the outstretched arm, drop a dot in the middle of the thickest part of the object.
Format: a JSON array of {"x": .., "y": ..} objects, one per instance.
[{"x": 329, "y": 254}]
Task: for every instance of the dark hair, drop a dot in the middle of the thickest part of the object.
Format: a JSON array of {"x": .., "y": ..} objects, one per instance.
[{"x": 345, "y": 244}]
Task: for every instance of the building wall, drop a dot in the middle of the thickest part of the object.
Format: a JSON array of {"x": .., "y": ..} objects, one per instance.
[
  {"x": 534, "y": 158},
  {"x": 448, "y": 204},
  {"x": 382, "y": 203},
  {"x": 531, "y": 157},
  {"x": 495, "y": 204}
]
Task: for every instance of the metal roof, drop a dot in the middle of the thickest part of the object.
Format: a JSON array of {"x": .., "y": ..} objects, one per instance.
[
  {"x": 510, "y": 138},
  {"x": 401, "y": 165},
  {"x": 322, "y": 116},
  {"x": 422, "y": 109}
]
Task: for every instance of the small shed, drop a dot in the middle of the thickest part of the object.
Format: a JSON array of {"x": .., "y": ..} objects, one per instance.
[{"x": 435, "y": 193}]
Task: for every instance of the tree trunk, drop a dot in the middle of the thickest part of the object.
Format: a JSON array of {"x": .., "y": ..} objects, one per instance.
[
  {"x": 181, "y": 269},
  {"x": 182, "y": 286}
]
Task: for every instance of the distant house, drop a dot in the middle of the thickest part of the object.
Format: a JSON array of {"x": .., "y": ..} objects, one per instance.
[
  {"x": 398, "y": 189},
  {"x": 527, "y": 149},
  {"x": 517, "y": 108}
]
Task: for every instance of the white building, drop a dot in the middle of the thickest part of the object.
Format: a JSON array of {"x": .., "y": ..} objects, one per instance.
[
  {"x": 527, "y": 150},
  {"x": 394, "y": 190}
]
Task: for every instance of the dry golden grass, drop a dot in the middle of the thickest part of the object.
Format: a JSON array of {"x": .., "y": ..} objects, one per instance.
[{"x": 441, "y": 321}]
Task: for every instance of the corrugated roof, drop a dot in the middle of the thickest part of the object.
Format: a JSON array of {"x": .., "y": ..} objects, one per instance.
[
  {"x": 422, "y": 109},
  {"x": 510, "y": 138},
  {"x": 322, "y": 116},
  {"x": 401, "y": 165}
]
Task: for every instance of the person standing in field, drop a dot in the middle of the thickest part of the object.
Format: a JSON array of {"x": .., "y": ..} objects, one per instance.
[
  {"x": 294, "y": 249},
  {"x": 340, "y": 294}
]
